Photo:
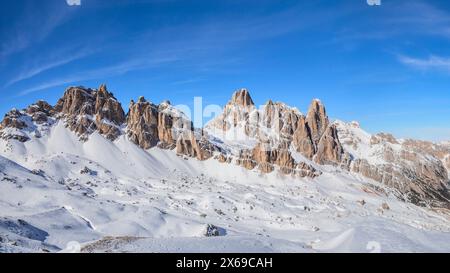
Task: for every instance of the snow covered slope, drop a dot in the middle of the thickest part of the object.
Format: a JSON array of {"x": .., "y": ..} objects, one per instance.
[{"x": 86, "y": 191}]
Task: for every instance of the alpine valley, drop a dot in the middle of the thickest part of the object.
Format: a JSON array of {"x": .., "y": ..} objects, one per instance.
[{"x": 83, "y": 175}]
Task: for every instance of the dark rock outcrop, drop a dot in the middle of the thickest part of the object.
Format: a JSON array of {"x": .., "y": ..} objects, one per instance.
[
  {"x": 86, "y": 110},
  {"x": 142, "y": 123},
  {"x": 329, "y": 149},
  {"x": 150, "y": 125},
  {"x": 13, "y": 119},
  {"x": 275, "y": 127},
  {"x": 302, "y": 139},
  {"x": 317, "y": 120}
]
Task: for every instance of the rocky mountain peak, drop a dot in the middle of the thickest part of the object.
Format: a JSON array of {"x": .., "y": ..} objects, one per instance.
[
  {"x": 142, "y": 99},
  {"x": 19, "y": 124},
  {"x": 40, "y": 111},
  {"x": 107, "y": 107},
  {"x": 12, "y": 120},
  {"x": 102, "y": 88},
  {"x": 150, "y": 125},
  {"x": 86, "y": 110},
  {"x": 242, "y": 98},
  {"x": 276, "y": 131}
]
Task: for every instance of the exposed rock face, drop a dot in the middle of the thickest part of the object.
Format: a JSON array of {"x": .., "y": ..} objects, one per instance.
[
  {"x": 171, "y": 124},
  {"x": 12, "y": 124},
  {"x": 237, "y": 113},
  {"x": 191, "y": 145},
  {"x": 421, "y": 183},
  {"x": 109, "y": 115},
  {"x": 21, "y": 125},
  {"x": 302, "y": 139},
  {"x": 242, "y": 98},
  {"x": 438, "y": 150},
  {"x": 329, "y": 149},
  {"x": 266, "y": 158},
  {"x": 406, "y": 165},
  {"x": 245, "y": 159},
  {"x": 151, "y": 125},
  {"x": 317, "y": 120},
  {"x": 40, "y": 111},
  {"x": 383, "y": 137},
  {"x": 142, "y": 123},
  {"x": 276, "y": 131},
  {"x": 86, "y": 110},
  {"x": 13, "y": 119}
]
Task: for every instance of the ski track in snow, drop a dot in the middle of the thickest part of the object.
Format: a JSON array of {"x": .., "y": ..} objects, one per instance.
[{"x": 132, "y": 200}]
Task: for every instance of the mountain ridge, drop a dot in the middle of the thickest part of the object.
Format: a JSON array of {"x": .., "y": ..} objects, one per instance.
[{"x": 275, "y": 137}]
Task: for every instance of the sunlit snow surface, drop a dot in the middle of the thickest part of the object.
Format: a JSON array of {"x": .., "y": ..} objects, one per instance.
[{"x": 114, "y": 196}]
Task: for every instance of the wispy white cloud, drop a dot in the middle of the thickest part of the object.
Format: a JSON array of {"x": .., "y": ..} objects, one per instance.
[
  {"x": 102, "y": 73},
  {"x": 63, "y": 57},
  {"x": 187, "y": 81},
  {"x": 432, "y": 62},
  {"x": 73, "y": 2},
  {"x": 48, "y": 85}
]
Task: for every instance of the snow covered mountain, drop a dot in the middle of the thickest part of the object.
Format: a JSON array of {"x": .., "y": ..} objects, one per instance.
[{"x": 83, "y": 175}]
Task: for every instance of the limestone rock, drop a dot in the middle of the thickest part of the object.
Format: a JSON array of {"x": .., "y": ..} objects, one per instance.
[
  {"x": 13, "y": 119},
  {"x": 142, "y": 123},
  {"x": 276, "y": 130},
  {"x": 329, "y": 149},
  {"x": 86, "y": 110},
  {"x": 413, "y": 168},
  {"x": 317, "y": 120},
  {"x": 150, "y": 125},
  {"x": 302, "y": 139},
  {"x": 188, "y": 144},
  {"x": 245, "y": 159},
  {"x": 383, "y": 137},
  {"x": 171, "y": 123},
  {"x": 237, "y": 113},
  {"x": 40, "y": 111},
  {"x": 242, "y": 98}
]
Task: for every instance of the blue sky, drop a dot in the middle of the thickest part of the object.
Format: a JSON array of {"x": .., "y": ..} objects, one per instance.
[{"x": 386, "y": 66}]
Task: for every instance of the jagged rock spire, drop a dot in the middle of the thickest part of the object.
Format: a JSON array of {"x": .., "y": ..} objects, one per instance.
[
  {"x": 107, "y": 107},
  {"x": 242, "y": 98},
  {"x": 317, "y": 120},
  {"x": 79, "y": 105}
]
